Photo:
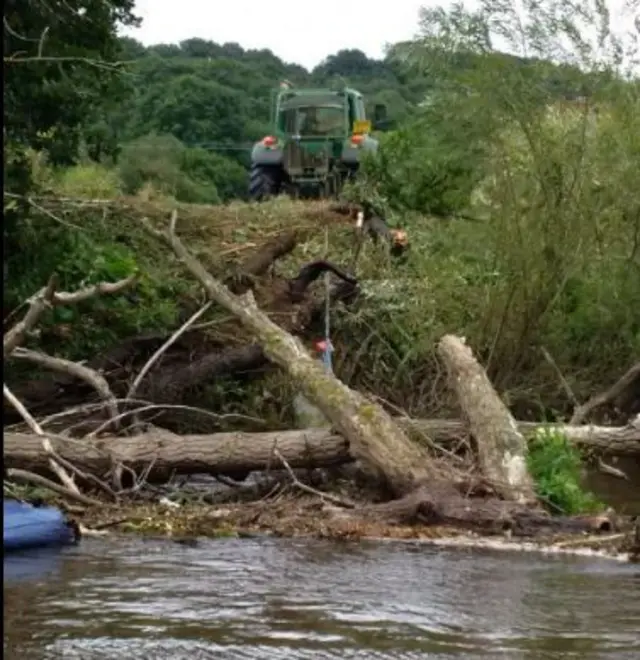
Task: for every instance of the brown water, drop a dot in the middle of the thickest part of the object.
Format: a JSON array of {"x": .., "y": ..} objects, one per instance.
[
  {"x": 304, "y": 599},
  {"x": 622, "y": 494}
]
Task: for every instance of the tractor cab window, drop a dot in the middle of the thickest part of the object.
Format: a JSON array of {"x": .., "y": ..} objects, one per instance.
[{"x": 325, "y": 121}]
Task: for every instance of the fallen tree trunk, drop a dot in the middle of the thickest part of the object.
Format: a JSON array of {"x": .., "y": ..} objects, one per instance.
[
  {"x": 187, "y": 364},
  {"x": 609, "y": 440},
  {"x": 260, "y": 262},
  {"x": 162, "y": 453},
  {"x": 501, "y": 448},
  {"x": 243, "y": 452},
  {"x": 373, "y": 435}
]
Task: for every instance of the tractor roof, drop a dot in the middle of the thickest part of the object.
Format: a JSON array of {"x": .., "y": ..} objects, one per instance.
[{"x": 317, "y": 91}]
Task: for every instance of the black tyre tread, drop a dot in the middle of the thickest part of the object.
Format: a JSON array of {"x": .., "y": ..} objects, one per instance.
[{"x": 262, "y": 183}]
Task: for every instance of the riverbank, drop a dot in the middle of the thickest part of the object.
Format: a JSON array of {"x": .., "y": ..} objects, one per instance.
[
  {"x": 495, "y": 477},
  {"x": 304, "y": 516}
]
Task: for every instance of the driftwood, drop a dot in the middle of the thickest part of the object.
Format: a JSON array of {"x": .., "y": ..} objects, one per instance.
[
  {"x": 260, "y": 262},
  {"x": 46, "y": 298},
  {"x": 373, "y": 435},
  {"x": 501, "y": 448},
  {"x": 239, "y": 453}
]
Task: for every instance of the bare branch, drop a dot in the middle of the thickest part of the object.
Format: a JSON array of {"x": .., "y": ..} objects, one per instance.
[
  {"x": 48, "y": 297},
  {"x": 37, "y": 305},
  {"x": 89, "y": 376},
  {"x": 16, "y": 474},
  {"x": 174, "y": 337},
  {"x": 308, "y": 489},
  {"x": 46, "y": 443},
  {"x": 102, "y": 288},
  {"x": 108, "y": 66},
  {"x": 84, "y": 475},
  {"x": 617, "y": 389},
  {"x": 563, "y": 381}
]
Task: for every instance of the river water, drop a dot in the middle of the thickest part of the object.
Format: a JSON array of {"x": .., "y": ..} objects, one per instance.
[{"x": 273, "y": 599}]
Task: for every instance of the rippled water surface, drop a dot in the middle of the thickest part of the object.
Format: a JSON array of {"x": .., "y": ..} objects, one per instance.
[{"x": 275, "y": 599}]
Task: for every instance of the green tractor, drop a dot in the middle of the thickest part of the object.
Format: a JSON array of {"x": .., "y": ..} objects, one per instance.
[{"x": 319, "y": 136}]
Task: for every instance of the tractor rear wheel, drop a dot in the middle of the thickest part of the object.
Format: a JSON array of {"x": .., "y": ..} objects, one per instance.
[{"x": 264, "y": 182}]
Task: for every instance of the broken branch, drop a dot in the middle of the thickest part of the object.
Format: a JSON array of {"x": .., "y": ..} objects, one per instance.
[
  {"x": 619, "y": 388},
  {"x": 69, "y": 368},
  {"x": 48, "y": 297},
  {"x": 45, "y": 441},
  {"x": 373, "y": 435}
]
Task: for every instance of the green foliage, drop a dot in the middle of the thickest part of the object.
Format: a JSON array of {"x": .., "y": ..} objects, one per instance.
[
  {"x": 429, "y": 165},
  {"x": 555, "y": 466},
  {"x": 84, "y": 250},
  {"x": 546, "y": 256},
  {"x": 56, "y": 70},
  {"x": 188, "y": 174},
  {"x": 543, "y": 250},
  {"x": 87, "y": 180},
  {"x": 160, "y": 161}
]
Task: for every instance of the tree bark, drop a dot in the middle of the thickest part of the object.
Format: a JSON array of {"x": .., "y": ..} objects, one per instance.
[
  {"x": 243, "y": 452},
  {"x": 609, "y": 440},
  {"x": 501, "y": 447},
  {"x": 373, "y": 435},
  {"x": 223, "y": 453}
]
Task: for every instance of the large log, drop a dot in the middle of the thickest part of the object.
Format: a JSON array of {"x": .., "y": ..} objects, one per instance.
[
  {"x": 373, "y": 435},
  {"x": 606, "y": 440},
  {"x": 243, "y": 452},
  {"x": 501, "y": 448},
  {"x": 220, "y": 453}
]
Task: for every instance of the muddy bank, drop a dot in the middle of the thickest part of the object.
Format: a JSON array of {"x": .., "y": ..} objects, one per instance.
[{"x": 301, "y": 516}]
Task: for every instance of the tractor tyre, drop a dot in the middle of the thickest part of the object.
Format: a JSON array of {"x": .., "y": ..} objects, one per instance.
[{"x": 264, "y": 182}]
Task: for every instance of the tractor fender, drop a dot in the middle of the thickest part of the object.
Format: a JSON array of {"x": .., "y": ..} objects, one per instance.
[
  {"x": 351, "y": 154},
  {"x": 261, "y": 155}
]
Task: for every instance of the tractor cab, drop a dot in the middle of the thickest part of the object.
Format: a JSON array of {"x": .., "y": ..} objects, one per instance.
[{"x": 318, "y": 137}]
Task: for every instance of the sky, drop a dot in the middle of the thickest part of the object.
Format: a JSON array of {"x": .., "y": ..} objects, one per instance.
[
  {"x": 302, "y": 31},
  {"x": 297, "y": 31}
]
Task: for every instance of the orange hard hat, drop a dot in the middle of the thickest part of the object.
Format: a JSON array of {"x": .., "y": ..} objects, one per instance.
[
  {"x": 320, "y": 345},
  {"x": 400, "y": 237}
]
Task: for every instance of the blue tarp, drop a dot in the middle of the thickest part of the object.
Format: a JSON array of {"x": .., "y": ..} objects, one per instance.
[{"x": 28, "y": 526}]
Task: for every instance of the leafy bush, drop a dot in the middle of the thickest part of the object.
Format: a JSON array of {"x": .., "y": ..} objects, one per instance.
[
  {"x": 192, "y": 175},
  {"x": 430, "y": 164},
  {"x": 547, "y": 253},
  {"x": 88, "y": 179},
  {"x": 157, "y": 160},
  {"x": 556, "y": 467}
]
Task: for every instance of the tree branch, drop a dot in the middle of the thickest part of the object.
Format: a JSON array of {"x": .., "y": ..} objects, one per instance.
[
  {"x": 47, "y": 297},
  {"x": 89, "y": 376},
  {"x": 46, "y": 443},
  {"x": 617, "y": 389}
]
